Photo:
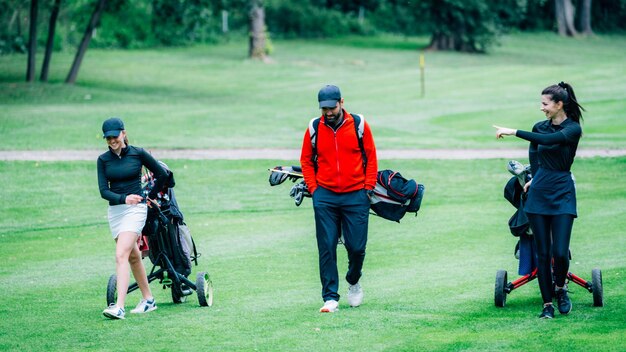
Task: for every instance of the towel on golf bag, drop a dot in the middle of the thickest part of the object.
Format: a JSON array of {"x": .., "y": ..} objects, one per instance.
[
  {"x": 527, "y": 255},
  {"x": 395, "y": 195}
]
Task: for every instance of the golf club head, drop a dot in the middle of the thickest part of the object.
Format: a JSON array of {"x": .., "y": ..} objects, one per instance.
[
  {"x": 518, "y": 170},
  {"x": 515, "y": 167},
  {"x": 277, "y": 178},
  {"x": 297, "y": 194}
]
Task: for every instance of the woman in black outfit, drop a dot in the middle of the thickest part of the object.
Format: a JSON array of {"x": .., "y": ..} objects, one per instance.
[
  {"x": 551, "y": 202},
  {"x": 119, "y": 179}
]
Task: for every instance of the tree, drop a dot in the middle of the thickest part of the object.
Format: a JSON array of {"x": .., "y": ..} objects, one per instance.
[
  {"x": 564, "y": 12},
  {"x": 256, "y": 49},
  {"x": 585, "y": 18},
  {"x": 82, "y": 48},
  {"x": 54, "y": 14},
  {"x": 32, "y": 41},
  {"x": 461, "y": 25}
]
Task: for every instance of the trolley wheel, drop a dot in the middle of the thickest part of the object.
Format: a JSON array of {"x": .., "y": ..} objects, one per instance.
[
  {"x": 499, "y": 293},
  {"x": 112, "y": 290},
  {"x": 177, "y": 294},
  {"x": 204, "y": 289},
  {"x": 596, "y": 286}
]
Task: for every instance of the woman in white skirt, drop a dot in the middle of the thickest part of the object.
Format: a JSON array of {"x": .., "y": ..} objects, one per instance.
[{"x": 119, "y": 180}]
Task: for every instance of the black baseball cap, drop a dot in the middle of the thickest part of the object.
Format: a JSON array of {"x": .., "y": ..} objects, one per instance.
[
  {"x": 329, "y": 96},
  {"x": 112, "y": 127}
]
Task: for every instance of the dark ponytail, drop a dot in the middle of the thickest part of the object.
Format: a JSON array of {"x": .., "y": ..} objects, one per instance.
[{"x": 565, "y": 93}]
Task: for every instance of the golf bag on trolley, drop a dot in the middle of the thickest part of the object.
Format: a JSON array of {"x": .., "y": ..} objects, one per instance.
[
  {"x": 525, "y": 250},
  {"x": 166, "y": 240}
]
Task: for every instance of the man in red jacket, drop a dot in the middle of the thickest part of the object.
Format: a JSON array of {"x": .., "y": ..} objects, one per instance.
[{"x": 340, "y": 182}]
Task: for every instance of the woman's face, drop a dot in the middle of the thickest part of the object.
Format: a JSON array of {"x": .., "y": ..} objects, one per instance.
[
  {"x": 549, "y": 107},
  {"x": 117, "y": 143}
]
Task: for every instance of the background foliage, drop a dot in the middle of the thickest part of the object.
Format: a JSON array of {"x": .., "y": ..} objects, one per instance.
[{"x": 149, "y": 23}]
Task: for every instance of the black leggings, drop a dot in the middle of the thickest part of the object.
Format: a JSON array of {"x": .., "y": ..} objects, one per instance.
[{"x": 552, "y": 235}]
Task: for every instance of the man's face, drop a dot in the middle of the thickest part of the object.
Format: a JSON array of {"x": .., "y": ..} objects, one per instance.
[{"x": 333, "y": 115}]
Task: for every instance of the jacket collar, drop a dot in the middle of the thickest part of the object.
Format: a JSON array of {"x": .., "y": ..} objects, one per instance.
[{"x": 122, "y": 153}]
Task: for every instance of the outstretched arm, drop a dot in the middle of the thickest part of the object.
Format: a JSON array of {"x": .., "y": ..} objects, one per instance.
[
  {"x": 503, "y": 131},
  {"x": 570, "y": 133}
]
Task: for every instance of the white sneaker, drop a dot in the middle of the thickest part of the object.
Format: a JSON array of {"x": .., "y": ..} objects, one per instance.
[
  {"x": 330, "y": 306},
  {"x": 355, "y": 295},
  {"x": 113, "y": 312},
  {"x": 145, "y": 306}
]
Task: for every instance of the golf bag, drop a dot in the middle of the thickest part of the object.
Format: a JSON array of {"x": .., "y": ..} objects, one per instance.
[
  {"x": 179, "y": 245},
  {"x": 518, "y": 223},
  {"x": 392, "y": 198}
]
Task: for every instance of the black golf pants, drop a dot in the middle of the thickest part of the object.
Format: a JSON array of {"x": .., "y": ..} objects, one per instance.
[
  {"x": 552, "y": 236},
  {"x": 336, "y": 214}
]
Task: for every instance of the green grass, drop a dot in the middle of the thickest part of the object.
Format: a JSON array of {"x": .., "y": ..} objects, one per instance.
[
  {"x": 213, "y": 97},
  {"x": 428, "y": 281}
]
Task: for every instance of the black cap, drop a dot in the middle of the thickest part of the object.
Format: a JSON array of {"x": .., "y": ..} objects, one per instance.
[
  {"x": 112, "y": 127},
  {"x": 329, "y": 96}
]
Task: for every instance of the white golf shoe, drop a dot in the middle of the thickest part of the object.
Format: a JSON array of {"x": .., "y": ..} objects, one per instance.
[
  {"x": 330, "y": 306},
  {"x": 114, "y": 312},
  {"x": 355, "y": 295},
  {"x": 145, "y": 306}
]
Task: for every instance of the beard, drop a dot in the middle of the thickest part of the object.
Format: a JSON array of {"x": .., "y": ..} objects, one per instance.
[{"x": 333, "y": 119}]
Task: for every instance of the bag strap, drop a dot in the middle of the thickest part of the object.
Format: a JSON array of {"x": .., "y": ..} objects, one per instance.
[{"x": 359, "y": 127}]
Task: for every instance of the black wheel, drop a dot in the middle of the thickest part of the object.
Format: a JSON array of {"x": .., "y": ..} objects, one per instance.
[
  {"x": 112, "y": 290},
  {"x": 499, "y": 293},
  {"x": 204, "y": 289},
  {"x": 177, "y": 295},
  {"x": 596, "y": 286}
]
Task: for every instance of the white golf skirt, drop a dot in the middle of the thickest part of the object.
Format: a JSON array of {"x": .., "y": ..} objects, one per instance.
[{"x": 127, "y": 218}]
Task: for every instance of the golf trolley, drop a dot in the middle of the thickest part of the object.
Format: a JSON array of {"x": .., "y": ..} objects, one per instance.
[
  {"x": 525, "y": 250},
  {"x": 169, "y": 247}
]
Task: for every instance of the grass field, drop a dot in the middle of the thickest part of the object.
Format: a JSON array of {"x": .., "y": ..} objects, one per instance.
[
  {"x": 428, "y": 281},
  {"x": 231, "y": 102}
]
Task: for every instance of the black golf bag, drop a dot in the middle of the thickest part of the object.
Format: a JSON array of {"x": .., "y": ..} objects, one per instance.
[
  {"x": 392, "y": 198},
  {"x": 166, "y": 223}
]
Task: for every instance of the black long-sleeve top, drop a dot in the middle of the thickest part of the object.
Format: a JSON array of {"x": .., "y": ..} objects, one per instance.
[
  {"x": 119, "y": 176},
  {"x": 552, "y": 147}
]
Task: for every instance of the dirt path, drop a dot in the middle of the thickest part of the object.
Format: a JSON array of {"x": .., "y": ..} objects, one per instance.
[{"x": 291, "y": 154}]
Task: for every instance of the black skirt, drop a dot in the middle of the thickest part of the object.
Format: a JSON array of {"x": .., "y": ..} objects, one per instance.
[{"x": 551, "y": 193}]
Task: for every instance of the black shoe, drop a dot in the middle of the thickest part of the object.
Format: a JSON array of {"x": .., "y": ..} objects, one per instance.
[
  {"x": 563, "y": 301},
  {"x": 547, "y": 313}
]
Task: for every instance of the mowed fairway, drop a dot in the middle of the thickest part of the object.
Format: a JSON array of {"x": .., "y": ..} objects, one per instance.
[
  {"x": 428, "y": 281},
  {"x": 213, "y": 97}
]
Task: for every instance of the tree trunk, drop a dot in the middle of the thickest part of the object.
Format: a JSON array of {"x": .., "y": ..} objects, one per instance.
[
  {"x": 441, "y": 41},
  {"x": 54, "y": 14},
  {"x": 32, "y": 41},
  {"x": 564, "y": 12},
  {"x": 82, "y": 48},
  {"x": 257, "y": 30},
  {"x": 585, "y": 18}
]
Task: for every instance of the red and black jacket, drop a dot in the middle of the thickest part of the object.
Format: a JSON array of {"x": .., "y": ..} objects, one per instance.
[{"x": 339, "y": 158}]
